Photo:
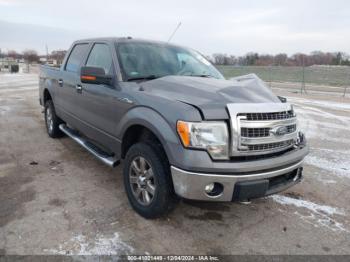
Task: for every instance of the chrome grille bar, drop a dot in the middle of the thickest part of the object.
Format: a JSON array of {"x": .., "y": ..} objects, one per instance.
[
  {"x": 268, "y": 115},
  {"x": 255, "y": 132},
  {"x": 267, "y": 123},
  {"x": 262, "y": 132},
  {"x": 263, "y": 147}
]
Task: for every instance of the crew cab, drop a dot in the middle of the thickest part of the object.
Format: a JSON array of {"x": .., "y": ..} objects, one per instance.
[{"x": 179, "y": 127}]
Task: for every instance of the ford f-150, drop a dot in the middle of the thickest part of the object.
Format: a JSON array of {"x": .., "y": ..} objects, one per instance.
[{"x": 179, "y": 127}]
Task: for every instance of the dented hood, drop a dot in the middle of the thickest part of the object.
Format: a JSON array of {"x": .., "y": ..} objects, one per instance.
[{"x": 210, "y": 95}]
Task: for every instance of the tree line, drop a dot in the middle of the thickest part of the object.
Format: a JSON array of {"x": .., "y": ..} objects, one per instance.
[
  {"x": 32, "y": 56},
  {"x": 299, "y": 59},
  {"x": 250, "y": 59}
]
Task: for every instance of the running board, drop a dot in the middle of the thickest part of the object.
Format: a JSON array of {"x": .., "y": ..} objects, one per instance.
[{"x": 104, "y": 157}]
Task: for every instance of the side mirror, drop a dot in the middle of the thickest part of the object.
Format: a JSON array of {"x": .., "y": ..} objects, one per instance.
[{"x": 94, "y": 75}]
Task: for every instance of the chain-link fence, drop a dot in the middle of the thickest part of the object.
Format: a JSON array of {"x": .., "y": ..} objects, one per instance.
[{"x": 301, "y": 79}]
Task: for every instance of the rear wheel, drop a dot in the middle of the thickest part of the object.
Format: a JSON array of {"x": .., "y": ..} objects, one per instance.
[
  {"x": 52, "y": 121},
  {"x": 147, "y": 181}
]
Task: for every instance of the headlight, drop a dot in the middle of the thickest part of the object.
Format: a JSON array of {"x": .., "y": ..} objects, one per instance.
[{"x": 211, "y": 136}]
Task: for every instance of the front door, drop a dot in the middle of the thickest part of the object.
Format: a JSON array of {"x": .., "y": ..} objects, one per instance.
[{"x": 99, "y": 104}]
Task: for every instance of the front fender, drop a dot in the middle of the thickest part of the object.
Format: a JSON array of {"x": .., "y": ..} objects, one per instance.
[{"x": 155, "y": 122}]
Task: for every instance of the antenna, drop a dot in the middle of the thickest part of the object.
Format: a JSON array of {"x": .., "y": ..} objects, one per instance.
[{"x": 179, "y": 24}]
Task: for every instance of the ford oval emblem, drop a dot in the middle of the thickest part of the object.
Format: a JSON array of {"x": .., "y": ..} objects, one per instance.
[{"x": 279, "y": 130}]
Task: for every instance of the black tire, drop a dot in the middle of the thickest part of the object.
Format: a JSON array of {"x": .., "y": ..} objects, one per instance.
[
  {"x": 164, "y": 198},
  {"x": 52, "y": 124}
]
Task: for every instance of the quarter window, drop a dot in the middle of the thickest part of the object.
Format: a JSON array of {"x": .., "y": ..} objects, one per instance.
[{"x": 100, "y": 56}]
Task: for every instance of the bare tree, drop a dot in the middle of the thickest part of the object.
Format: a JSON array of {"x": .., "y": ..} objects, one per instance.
[
  {"x": 58, "y": 55},
  {"x": 298, "y": 59},
  {"x": 264, "y": 60},
  {"x": 251, "y": 58},
  {"x": 219, "y": 59},
  {"x": 280, "y": 59},
  {"x": 30, "y": 56},
  {"x": 13, "y": 54}
]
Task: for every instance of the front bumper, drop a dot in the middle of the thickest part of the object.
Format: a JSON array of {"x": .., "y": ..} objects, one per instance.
[{"x": 191, "y": 185}]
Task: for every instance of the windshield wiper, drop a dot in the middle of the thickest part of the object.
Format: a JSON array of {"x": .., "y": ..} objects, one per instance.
[{"x": 150, "y": 77}]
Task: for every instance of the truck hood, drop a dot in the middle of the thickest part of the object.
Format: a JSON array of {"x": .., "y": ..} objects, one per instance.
[{"x": 210, "y": 95}]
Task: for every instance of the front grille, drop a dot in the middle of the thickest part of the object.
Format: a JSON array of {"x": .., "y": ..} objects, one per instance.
[
  {"x": 269, "y": 146},
  {"x": 255, "y": 132},
  {"x": 262, "y": 129},
  {"x": 291, "y": 128},
  {"x": 263, "y": 132},
  {"x": 268, "y": 116}
]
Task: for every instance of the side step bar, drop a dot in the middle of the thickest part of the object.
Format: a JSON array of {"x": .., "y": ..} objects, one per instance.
[{"x": 105, "y": 158}]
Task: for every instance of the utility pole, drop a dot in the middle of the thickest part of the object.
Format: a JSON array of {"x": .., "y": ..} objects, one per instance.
[{"x": 171, "y": 36}]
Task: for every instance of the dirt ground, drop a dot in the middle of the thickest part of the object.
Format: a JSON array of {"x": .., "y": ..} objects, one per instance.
[{"x": 56, "y": 198}]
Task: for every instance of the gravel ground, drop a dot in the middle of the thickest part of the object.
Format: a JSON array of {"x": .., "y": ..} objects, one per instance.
[{"x": 55, "y": 198}]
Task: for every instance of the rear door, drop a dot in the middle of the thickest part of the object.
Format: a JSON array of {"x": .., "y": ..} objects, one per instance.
[{"x": 70, "y": 82}]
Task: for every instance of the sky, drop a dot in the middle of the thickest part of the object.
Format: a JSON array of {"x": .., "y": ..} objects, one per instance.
[{"x": 209, "y": 26}]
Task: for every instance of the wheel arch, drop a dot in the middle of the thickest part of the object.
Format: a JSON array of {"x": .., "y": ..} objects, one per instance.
[
  {"x": 144, "y": 123},
  {"x": 46, "y": 95}
]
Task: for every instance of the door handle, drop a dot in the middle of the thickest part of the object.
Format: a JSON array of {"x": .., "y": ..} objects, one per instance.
[
  {"x": 79, "y": 88},
  {"x": 60, "y": 82}
]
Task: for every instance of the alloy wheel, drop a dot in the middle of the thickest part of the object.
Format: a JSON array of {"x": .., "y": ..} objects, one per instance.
[
  {"x": 49, "y": 119},
  {"x": 141, "y": 178}
]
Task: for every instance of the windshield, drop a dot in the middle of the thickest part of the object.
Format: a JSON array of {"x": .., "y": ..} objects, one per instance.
[{"x": 149, "y": 61}]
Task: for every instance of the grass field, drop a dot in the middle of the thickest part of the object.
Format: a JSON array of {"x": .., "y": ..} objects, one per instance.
[{"x": 330, "y": 76}]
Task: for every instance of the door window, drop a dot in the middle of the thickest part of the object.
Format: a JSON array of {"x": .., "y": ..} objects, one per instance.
[
  {"x": 76, "y": 57},
  {"x": 100, "y": 56}
]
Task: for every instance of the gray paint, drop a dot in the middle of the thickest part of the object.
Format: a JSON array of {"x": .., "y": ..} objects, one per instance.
[
  {"x": 210, "y": 95},
  {"x": 104, "y": 113}
]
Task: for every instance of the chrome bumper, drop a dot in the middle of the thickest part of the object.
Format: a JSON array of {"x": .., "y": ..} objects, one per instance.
[{"x": 191, "y": 185}]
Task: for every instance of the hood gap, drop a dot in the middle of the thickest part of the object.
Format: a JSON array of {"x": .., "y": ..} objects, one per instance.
[{"x": 199, "y": 110}]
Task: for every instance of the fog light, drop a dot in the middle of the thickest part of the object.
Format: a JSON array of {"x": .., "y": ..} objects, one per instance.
[
  {"x": 214, "y": 189},
  {"x": 208, "y": 188}
]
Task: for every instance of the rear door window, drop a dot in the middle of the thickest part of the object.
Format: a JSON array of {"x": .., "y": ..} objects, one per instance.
[
  {"x": 101, "y": 56},
  {"x": 76, "y": 57}
]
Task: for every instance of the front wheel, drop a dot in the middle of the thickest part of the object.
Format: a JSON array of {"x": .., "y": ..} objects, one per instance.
[{"x": 147, "y": 181}]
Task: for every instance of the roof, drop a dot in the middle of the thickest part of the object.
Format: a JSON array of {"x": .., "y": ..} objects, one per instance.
[{"x": 123, "y": 40}]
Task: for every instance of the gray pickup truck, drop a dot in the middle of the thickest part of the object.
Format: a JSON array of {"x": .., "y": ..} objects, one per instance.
[{"x": 180, "y": 128}]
